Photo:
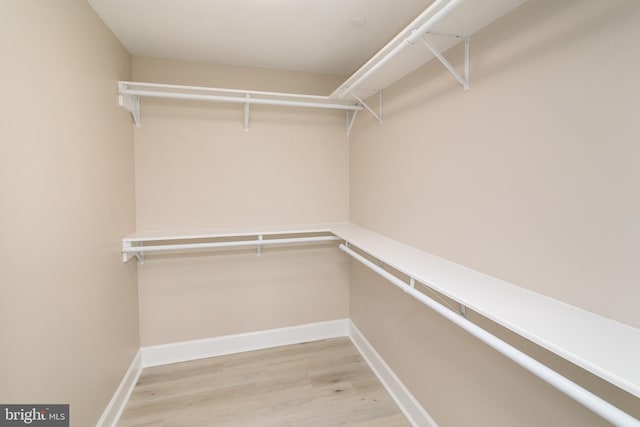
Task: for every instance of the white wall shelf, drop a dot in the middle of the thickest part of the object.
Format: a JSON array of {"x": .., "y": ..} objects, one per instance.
[
  {"x": 606, "y": 348},
  {"x": 444, "y": 24},
  {"x": 441, "y": 26},
  {"x": 130, "y": 94},
  {"x": 138, "y": 244}
]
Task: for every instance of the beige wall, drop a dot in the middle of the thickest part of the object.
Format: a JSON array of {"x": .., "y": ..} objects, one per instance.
[
  {"x": 229, "y": 292},
  {"x": 197, "y": 168},
  {"x": 68, "y": 305},
  {"x": 531, "y": 176}
]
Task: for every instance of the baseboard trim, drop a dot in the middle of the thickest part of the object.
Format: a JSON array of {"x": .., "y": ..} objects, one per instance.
[
  {"x": 408, "y": 404},
  {"x": 229, "y": 344},
  {"x": 116, "y": 406}
]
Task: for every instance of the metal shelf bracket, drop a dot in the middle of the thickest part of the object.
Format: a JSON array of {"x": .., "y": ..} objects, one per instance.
[
  {"x": 131, "y": 103},
  {"x": 464, "y": 81},
  {"x": 127, "y": 254},
  {"x": 377, "y": 115},
  {"x": 351, "y": 118},
  {"x": 246, "y": 114}
]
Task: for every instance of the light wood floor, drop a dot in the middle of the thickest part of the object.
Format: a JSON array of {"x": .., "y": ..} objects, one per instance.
[{"x": 322, "y": 383}]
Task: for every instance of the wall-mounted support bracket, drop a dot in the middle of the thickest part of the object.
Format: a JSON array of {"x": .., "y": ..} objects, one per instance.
[
  {"x": 464, "y": 81},
  {"x": 127, "y": 255},
  {"x": 246, "y": 115},
  {"x": 351, "y": 118},
  {"x": 259, "y": 245},
  {"x": 131, "y": 103},
  {"x": 378, "y": 115},
  {"x": 463, "y": 311}
]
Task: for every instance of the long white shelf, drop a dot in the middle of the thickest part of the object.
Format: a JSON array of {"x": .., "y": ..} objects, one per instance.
[
  {"x": 444, "y": 24},
  {"x": 129, "y": 94},
  {"x": 441, "y": 26},
  {"x": 604, "y": 347},
  {"x": 140, "y": 243},
  {"x": 153, "y": 236}
]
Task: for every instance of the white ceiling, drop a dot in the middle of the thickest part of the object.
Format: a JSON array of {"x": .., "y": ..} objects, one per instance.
[{"x": 300, "y": 35}]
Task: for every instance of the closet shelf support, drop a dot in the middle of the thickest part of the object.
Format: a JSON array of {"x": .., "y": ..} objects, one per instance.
[
  {"x": 378, "y": 115},
  {"x": 129, "y": 251},
  {"x": 351, "y": 120},
  {"x": 129, "y": 102},
  {"x": 246, "y": 113},
  {"x": 464, "y": 81}
]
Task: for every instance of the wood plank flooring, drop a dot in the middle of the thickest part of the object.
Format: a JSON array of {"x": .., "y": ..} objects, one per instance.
[{"x": 321, "y": 383}]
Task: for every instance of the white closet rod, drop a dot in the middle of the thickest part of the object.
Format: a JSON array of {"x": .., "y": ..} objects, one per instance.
[
  {"x": 186, "y": 246},
  {"x": 599, "y": 406},
  {"x": 416, "y": 33},
  {"x": 234, "y": 99}
]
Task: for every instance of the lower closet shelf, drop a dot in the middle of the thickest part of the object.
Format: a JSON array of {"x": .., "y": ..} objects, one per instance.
[
  {"x": 606, "y": 348},
  {"x": 137, "y": 244}
]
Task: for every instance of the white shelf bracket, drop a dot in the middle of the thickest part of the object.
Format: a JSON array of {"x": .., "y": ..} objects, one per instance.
[
  {"x": 378, "y": 115},
  {"x": 246, "y": 115},
  {"x": 467, "y": 41},
  {"x": 464, "y": 81},
  {"x": 259, "y": 246},
  {"x": 351, "y": 120},
  {"x": 127, "y": 255},
  {"x": 131, "y": 103}
]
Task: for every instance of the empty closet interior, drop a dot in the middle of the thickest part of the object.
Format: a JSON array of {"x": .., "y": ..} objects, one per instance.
[{"x": 459, "y": 199}]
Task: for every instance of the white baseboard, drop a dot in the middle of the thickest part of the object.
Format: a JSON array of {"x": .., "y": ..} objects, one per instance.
[
  {"x": 218, "y": 346},
  {"x": 114, "y": 409},
  {"x": 408, "y": 404},
  {"x": 229, "y": 344}
]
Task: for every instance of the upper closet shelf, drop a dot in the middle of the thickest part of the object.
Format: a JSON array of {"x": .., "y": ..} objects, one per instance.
[
  {"x": 441, "y": 26},
  {"x": 131, "y": 92}
]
